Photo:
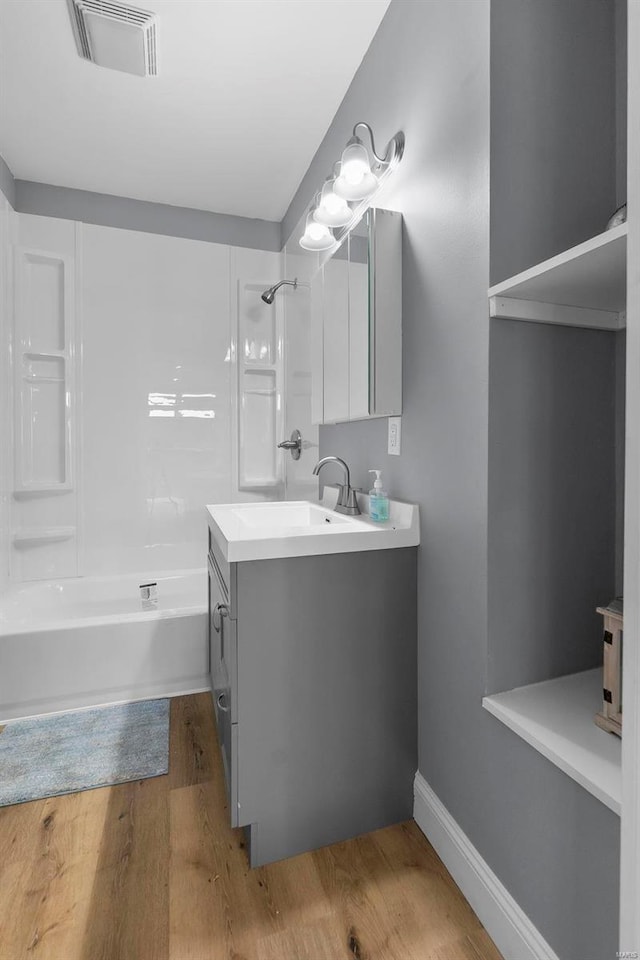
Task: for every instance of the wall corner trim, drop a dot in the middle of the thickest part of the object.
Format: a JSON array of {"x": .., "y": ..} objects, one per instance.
[{"x": 506, "y": 923}]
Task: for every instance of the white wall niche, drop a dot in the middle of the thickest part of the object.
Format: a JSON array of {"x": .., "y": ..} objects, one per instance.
[{"x": 44, "y": 394}]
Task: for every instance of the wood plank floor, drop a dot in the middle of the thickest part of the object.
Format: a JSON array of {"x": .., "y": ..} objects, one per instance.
[{"x": 151, "y": 871}]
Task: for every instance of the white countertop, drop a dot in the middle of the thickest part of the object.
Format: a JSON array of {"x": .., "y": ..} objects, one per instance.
[{"x": 302, "y": 528}]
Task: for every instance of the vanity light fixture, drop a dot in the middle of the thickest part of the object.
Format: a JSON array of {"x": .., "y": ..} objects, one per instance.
[{"x": 355, "y": 180}]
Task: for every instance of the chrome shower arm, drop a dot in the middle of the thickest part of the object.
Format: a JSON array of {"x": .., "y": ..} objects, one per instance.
[{"x": 268, "y": 294}]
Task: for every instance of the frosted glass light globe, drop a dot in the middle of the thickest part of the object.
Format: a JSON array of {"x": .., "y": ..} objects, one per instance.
[
  {"x": 316, "y": 236},
  {"x": 331, "y": 203},
  {"x": 365, "y": 187},
  {"x": 317, "y": 231},
  {"x": 355, "y": 162},
  {"x": 332, "y": 210}
]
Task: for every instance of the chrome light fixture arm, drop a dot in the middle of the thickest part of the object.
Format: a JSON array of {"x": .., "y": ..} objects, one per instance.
[{"x": 394, "y": 149}]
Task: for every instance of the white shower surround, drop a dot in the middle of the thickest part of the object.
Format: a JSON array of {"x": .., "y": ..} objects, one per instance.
[
  {"x": 6, "y": 225},
  {"x": 166, "y": 331},
  {"x": 82, "y": 642},
  {"x": 154, "y": 432}
]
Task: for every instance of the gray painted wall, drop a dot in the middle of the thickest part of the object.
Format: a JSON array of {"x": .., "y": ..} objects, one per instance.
[
  {"x": 427, "y": 71},
  {"x": 553, "y": 174},
  {"x": 552, "y": 509},
  {"x": 556, "y": 452},
  {"x": 103, "y": 209},
  {"x": 99, "y": 208},
  {"x": 621, "y": 338},
  {"x": 621, "y": 101},
  {"x": 7, "y": 183},
  {"x": 620, "y": 394}
]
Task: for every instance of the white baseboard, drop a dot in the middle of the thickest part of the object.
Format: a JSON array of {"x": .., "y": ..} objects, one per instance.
[
  {"x": 506, "y": 923},
  {"x": 104, "y": 698}
]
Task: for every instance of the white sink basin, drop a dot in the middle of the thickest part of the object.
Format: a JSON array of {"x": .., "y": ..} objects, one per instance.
[
  {"x": 300, "y": 528},
  {"x": 280, "y": 516}
]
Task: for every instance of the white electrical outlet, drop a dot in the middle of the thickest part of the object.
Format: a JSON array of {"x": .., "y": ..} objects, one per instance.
[{"x": 395, "y": 435}]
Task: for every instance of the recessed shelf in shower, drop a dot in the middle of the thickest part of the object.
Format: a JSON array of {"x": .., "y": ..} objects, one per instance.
[
  {"x": 44, "y": 395},
  {"x": 31, "y": 538}
]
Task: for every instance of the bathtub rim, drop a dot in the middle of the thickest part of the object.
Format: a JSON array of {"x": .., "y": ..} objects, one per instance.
[
  {"x": 10, "y": 628},
  {"x": 50, "y": 626}
]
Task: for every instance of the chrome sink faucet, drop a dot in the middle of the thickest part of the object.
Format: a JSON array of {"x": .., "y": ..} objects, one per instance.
[{"x": 347, "y": 500}]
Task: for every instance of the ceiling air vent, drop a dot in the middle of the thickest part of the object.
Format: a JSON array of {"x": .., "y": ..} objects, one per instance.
[{"x": 115, "y": 35}]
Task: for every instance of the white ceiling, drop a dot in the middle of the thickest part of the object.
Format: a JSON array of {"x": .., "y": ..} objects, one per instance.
[{"x": 246, "y": 91}]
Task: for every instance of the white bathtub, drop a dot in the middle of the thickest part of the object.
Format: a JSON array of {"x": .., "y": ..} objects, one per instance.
[{"x": 76, "y": 643}]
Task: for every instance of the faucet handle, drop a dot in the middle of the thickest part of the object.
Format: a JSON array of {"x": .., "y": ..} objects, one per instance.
[
  {"x": 347, "y": 501},
  {"x": 351, "y": 503}
]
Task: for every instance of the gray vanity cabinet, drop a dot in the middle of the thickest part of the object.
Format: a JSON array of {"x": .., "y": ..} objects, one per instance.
[
  {"x": 313, "y": 663},
  {"x": 223, "y": 665}
]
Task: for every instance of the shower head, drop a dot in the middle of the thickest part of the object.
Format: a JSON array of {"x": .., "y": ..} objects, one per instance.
[{"x": 269, "y": 295}]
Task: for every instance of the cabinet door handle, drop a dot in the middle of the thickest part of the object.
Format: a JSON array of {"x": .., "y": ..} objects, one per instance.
[
  {"x": 223, "y": 611},
  {"x": 222, "y": 702}
]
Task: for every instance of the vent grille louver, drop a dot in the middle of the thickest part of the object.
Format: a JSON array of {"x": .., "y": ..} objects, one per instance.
[
  {"x": 151, "y": 44},
  {"x": 118, "y": 13}
]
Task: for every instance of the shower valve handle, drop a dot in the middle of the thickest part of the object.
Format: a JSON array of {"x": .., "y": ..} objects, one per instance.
[{"x": 294, "y": 444}]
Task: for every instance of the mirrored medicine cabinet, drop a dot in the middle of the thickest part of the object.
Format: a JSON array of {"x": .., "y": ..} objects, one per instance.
[{"x": 356, "y": 323}]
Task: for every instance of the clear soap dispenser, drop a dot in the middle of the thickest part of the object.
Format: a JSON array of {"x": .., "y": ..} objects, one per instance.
[{"x": 378, "y": 500}]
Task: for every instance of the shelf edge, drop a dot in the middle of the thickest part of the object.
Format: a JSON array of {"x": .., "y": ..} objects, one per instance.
[
  {"x": 535, "y": 311},
  {"x": 510, "y": 719},
  {"x": 574, "y": 253}
]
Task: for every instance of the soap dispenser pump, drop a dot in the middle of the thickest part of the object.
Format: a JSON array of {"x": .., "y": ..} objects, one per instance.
[{"x": 378, "y": 500}]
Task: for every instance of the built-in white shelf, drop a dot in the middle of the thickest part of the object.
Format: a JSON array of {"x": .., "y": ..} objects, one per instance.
[
  {"x": 582, "y": 287},
  {"x": 48, "y": 355},
  {"x": 33, "y": 536},
  {"x": 42, "y": 490},
  {"x": 556, "y": 718}
]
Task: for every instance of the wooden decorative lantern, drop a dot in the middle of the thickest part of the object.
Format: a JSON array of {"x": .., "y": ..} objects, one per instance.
[{"x": 610, "y": 717}]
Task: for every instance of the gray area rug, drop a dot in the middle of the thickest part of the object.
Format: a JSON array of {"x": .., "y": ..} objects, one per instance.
[{"x": 50, "y": 756}]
